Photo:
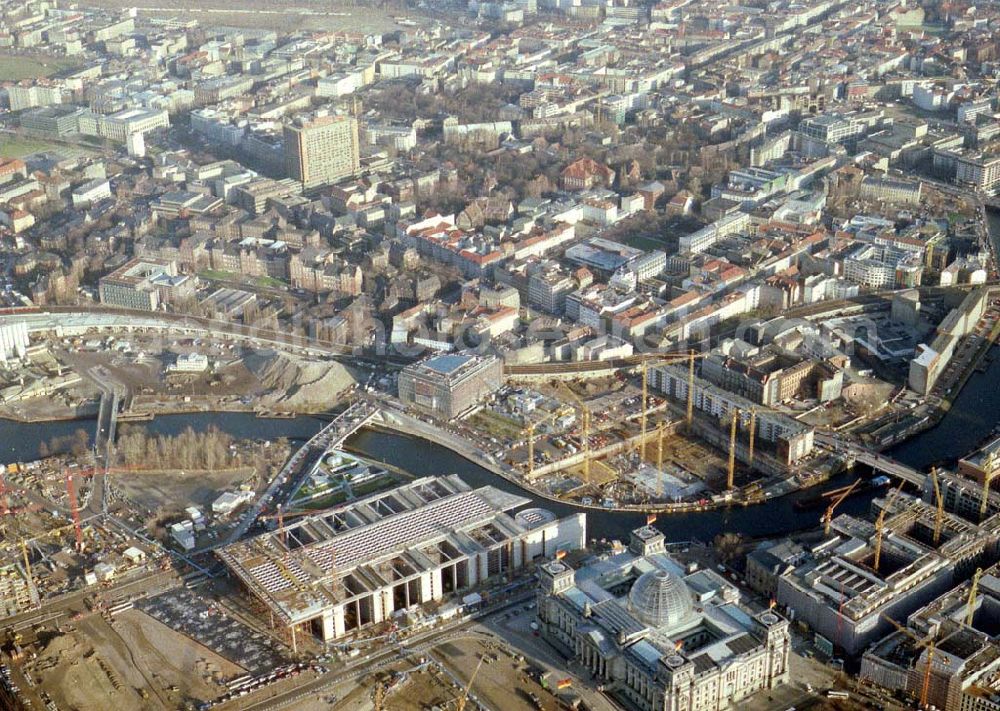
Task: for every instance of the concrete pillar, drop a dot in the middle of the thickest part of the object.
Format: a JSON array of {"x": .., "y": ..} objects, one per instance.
[
  {"x": 471, "y": 571},
  {"x": 376, "y": 604},
  {"x": 425, "y": 579},
  {"x": 437, "y": 584},
  {"x": 387, "y": 603},
  {"x": 329, "y": 628},
  {"x": 338, "y": 621}
]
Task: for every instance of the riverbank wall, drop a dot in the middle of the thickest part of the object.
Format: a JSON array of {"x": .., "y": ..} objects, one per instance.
[{"x": 398, "y": 422}]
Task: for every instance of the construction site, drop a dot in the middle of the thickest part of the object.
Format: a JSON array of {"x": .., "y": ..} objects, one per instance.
[
  {"x": 949, "y": 649},
  {"x": 653, "y": 435},
  {"x": 393, "y": 558}
]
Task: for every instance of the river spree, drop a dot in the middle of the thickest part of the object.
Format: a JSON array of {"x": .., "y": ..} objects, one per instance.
[{"x": 972, "y": 417}]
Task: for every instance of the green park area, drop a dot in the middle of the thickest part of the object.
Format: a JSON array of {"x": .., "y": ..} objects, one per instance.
[
  {"x": 17, "y": 67},
  {"x": 18, "y": 147}
]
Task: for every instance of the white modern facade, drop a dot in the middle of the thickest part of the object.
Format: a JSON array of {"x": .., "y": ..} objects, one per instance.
[
  {"x": 13, "y": 340},
  {"x": 342, "y": 570}
]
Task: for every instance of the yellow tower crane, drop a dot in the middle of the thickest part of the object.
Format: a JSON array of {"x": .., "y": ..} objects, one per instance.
[
  {"x": 753, "y": 433},
  {"x": 970, "y": 606},
  {"x": 691, "y": 356},
  {"x": 939, "y": 506},
  {"x": 689, "y": 419},
  {"x": 659, "y": 458},
  {"x": 642, "y": 418},
  {"x": 585, "y": 428},
  {"x": 828, "y": 514},
  {"x": 529, "y": 432},
  {"x": 929, "y": 643},
  {"x": 984, "y": 500},
  {"x": 880, "y": 525},
  {"x": 731, "y": 473},
  {"x": 27, "y": 560},
  {"x": 460, "y": 706}
]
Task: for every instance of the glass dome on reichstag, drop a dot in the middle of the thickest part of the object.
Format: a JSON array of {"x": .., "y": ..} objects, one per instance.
[{"x": 660, "y": 599}]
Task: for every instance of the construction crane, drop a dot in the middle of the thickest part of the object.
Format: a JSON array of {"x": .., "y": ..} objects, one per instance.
[
  {"x": 753, "y": 433},
  {"x": 880, "y": 525},
  {"x": 74, "y": 510},
  {"x": 460, "y": 706},
  {"x": 984, "y": 500},
  {"x": 659, "y": 458},
  {"x": 731, "y": 472},
  {"x": 939, "y": 504},
  {"x": 929, "y": 644},
  {"x": 585, "y": 429},
  {"x": 27, "y": 561},
  {"x": 529, "y": 431},
  {"x": 828, "y": 514},
  {"x": 689, "y": 418},
  {"x": 970, "y": 606},
  {"x": 645, "y": 399},
  {"x": 645, "y": 392}
]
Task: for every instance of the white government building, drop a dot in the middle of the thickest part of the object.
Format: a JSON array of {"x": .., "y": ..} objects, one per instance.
[
  {"x": 339, "y": 571},
  {"x": 659, "y": 636}
]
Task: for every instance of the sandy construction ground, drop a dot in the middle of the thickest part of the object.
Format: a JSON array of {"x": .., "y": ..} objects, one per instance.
[
  {"x": 174, "y": 490},
  {"x": 134, "y": 663}
]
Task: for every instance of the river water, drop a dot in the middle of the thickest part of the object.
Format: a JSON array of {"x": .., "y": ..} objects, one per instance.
[{"x": 972, "y": 417}]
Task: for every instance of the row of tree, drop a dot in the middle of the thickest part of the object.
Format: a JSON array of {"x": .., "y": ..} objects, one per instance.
[
  {"x": 75, "y": 444},
  {"x": 211, "y": 449}
]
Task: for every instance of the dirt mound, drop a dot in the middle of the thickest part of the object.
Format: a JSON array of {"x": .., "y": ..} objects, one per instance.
[
  {"x": 867, "y": 397},
  {"x": 62, "y": 648},
  {"x": 294, "y": 383}
]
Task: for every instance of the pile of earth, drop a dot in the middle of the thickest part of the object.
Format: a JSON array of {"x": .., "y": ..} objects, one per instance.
[{"x": 294, "y": 383}]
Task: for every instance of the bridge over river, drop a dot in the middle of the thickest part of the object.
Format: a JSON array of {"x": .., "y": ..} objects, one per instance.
[{"x": 878, "y": 462}]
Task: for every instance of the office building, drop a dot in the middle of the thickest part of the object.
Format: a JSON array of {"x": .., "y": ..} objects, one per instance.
[
  {"x": 321, "y": 150},
  {"x": 145, "y": 284},
  {"x": 448, "y": 385},
  {"x": 964, "y": 672},
  {"x": 341, "y": 571},
  {"x": 13, "y": 340},
  {"x": 843, "y": 595}
]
